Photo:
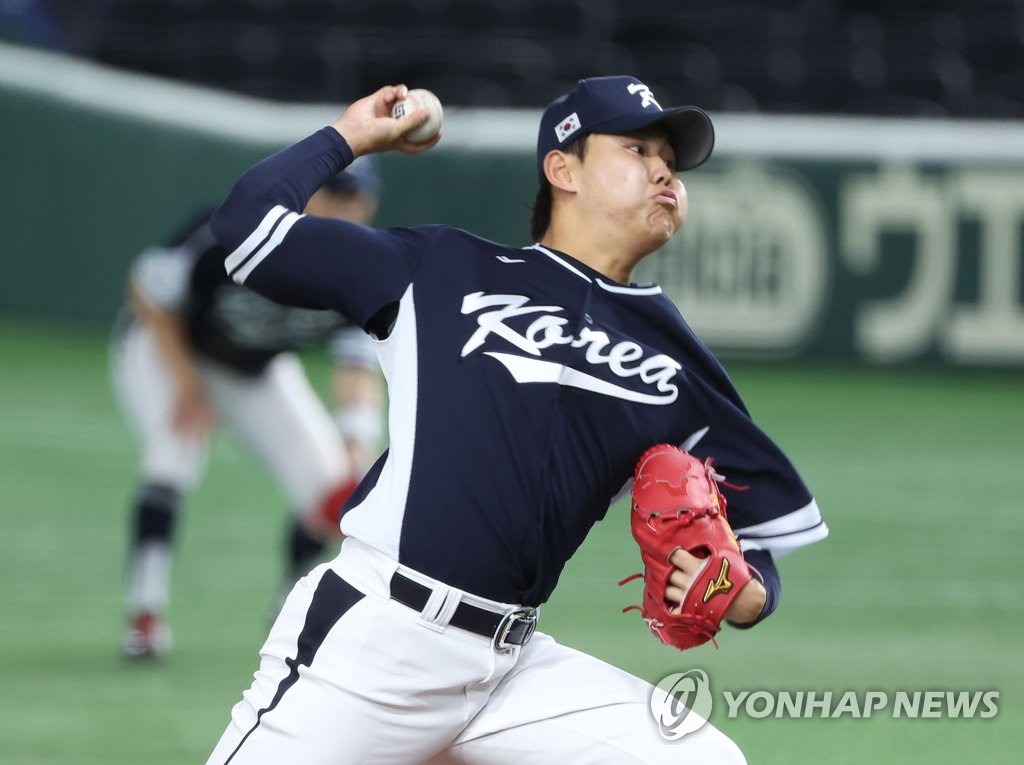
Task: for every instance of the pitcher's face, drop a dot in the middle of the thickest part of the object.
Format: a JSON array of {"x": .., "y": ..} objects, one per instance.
[{"x": 629, "y": 180}]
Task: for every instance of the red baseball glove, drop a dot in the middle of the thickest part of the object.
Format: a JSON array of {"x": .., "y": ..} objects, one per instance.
[{"x": 677, "y": 504}]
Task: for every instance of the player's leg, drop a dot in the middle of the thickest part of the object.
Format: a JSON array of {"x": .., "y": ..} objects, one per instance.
[
  {"x": 154, "y": 519},
  {"x": 560, "y": 705},
  {"x": 279, "y": 417},
  {"x": 349, "y": 676},
  {"x": 170, "y": 466},
  {"x": 600, "y": 736}
]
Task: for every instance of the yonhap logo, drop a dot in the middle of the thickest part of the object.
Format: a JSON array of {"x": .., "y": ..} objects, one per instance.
[{"x": 681, "y": 703}]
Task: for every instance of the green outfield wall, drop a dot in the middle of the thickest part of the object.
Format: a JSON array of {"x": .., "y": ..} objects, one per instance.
[{"x": 887, "y": 241}]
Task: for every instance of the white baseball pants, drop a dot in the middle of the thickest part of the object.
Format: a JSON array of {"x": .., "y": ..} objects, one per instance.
[{"x": 350, "y": 676}]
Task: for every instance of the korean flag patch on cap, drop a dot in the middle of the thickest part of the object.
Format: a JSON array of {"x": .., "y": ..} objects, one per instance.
[{"x": 567, "y": 127}]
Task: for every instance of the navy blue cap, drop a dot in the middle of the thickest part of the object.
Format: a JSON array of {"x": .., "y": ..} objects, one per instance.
[
  {"x": 618, "y": 105},
  {"x": 360, "y": 177}
]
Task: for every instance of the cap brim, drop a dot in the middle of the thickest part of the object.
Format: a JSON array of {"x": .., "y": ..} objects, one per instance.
[{"x": 693, "y": 135}]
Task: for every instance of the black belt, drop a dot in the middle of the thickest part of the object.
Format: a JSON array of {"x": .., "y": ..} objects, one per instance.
[{"x": 505, "y": 630}]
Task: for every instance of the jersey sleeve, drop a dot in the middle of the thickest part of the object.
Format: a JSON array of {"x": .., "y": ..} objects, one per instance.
[
  {"x": 770, "y": 507},
  {"x": 308, "y": 261}
]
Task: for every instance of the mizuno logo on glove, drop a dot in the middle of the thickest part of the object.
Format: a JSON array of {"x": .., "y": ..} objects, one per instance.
[{"x": 721, "y": 585}]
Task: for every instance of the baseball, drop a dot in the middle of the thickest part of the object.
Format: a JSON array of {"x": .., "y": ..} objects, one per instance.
[{"x": 419, "y": 98}]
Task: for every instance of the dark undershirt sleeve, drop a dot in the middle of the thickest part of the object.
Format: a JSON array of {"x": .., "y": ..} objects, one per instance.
[{"x": 761, "y": 561}]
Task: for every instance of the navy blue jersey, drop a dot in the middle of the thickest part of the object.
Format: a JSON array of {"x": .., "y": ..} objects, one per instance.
[{"x": 523, "y": 386}]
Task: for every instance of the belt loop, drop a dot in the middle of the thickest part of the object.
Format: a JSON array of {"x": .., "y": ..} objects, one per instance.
[{"x": 440, "y": 606}]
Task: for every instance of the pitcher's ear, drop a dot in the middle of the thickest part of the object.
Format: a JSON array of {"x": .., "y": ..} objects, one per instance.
[{"x": 559, "y": 170}]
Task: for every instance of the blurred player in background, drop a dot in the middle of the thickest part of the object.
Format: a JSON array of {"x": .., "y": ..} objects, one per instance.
[{"x": 199, "y": 350}]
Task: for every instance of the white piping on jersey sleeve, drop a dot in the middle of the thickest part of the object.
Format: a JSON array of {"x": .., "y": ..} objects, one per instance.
[
  {"x": 259, "y": 235},
  {"x": 377, "y": 520},
  {"x": 781, "y": 536},
  {"x": 279, "y": 234}
]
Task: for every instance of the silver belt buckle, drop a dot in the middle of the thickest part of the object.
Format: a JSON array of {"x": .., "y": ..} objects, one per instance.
[{"x": 509, "y": 621}]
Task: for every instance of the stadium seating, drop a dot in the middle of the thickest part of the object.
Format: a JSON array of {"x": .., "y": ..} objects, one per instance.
[{"x": 955, "y": 58}]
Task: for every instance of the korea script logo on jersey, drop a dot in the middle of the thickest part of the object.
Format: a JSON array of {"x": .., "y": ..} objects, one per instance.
[{"x": 646, "y": 379}]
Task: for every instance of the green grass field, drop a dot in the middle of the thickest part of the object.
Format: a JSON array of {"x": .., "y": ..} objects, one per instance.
[{"x": 918, "y": 473}]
